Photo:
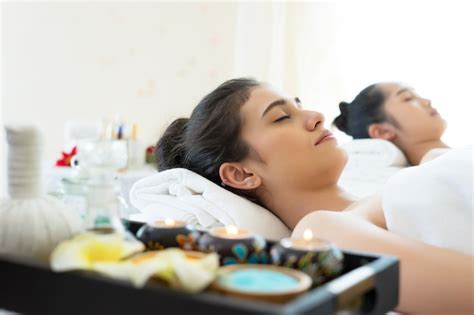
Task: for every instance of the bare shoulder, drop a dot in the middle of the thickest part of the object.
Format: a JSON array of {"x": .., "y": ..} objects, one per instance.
[
  {"x": 348, "y": 230},
  {"x": 369, "y": 209},
  {"x": 341, "y": 228},
  {"x": 325, "y": 223}
]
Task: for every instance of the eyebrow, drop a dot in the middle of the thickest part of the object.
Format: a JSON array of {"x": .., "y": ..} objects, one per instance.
[
  {"x": 403, "y": 90},
  {"x": 279, "y": 102}
]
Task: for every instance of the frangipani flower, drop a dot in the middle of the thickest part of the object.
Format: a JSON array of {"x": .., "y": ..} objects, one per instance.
[
  {"x": 196, "y": 275},
  {"x": 86, "y": 250},
  {"x": 175, "y": 266},
  {"x": 104, "y": 254}
]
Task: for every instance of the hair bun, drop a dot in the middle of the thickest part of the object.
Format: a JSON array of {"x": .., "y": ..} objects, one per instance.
[
  {"x": 343, "y": 107},
  {"x": 341, "y": 120},
  {"x": 170, "y": 149}
]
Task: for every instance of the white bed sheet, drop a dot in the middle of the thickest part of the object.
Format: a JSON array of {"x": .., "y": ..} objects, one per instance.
[{"x": 363, "y": 180}]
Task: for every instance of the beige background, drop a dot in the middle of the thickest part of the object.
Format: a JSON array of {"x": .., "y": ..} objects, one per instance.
[{"x": 150, "y": 62}]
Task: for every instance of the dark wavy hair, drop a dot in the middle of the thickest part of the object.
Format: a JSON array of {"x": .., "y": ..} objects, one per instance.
[
  {"x": 211, "y": 136},
  {"x": 366, "y": 109}
]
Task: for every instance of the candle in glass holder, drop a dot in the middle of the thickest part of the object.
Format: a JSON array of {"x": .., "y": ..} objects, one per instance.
[
  {"x": 234, "y": 245},
  {"x": 166, "y": 233},
  {"x": 317, "y": 257}
]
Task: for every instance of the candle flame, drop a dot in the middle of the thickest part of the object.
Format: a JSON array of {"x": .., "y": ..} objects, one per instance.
[
  {"x": 232, "y": 229},
  {"x": 307, "y": 235},
  {"x": 169, "y": 222}
]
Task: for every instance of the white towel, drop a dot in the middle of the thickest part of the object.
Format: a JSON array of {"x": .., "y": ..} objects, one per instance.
[
  {"x": 374, "y": 152},
  {"x": 181, "y": 194},
  {"x": 433, "y": 202}
]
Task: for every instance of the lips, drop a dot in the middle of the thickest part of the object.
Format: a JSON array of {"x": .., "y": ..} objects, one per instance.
[
  {"x": 433, "y": 112},
  {"x": 325, "y": 136}
]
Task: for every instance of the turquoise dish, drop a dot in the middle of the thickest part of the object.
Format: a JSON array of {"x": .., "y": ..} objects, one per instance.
[
  {"x": 263, "y": 282},
  {"x": 258, "y": 280}
]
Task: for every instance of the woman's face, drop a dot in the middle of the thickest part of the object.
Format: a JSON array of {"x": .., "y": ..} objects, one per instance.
[
  {"x": 414, "y": 115},
  {"x": 290, "y": 146}
]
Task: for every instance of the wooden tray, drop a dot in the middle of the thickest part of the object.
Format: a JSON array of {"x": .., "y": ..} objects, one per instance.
[{"x": 369, "y": 284}]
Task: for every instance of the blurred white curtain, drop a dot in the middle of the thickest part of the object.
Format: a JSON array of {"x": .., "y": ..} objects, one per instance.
[
  {"x": 287, "y": 44},
  {"x": 260, "y": 41},
  {"x": 327, "y": 51}
]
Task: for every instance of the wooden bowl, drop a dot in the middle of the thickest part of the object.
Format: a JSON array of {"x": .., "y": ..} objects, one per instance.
[
  {"x": 156, "y": 235},
  {"x": 243, "y": 281}
]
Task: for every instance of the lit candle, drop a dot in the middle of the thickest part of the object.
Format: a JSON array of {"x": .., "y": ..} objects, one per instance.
[
  {"x": 317, "y": 257},
  {"x": 230, "y": 232},
  {"x": 308, "y": 242},
  {"x": 166, "y": 233},
  {"x": 234, "y": 245},
  {"x": 169, "y": 222}
]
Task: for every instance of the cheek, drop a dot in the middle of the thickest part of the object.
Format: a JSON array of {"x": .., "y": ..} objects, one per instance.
[
  {"x": 407, "y": 119},
  {"x": 276, "y": 148}
]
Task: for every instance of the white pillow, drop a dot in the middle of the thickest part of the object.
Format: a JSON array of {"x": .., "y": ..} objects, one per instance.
[
  {"x": 374, "y": 152},
  {"x": 184, "y": 195}
]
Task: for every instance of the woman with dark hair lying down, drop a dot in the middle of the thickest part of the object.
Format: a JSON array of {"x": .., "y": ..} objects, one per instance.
[
  {"x": 396, "y": 113},
  {"x": 262, "y": 144}
]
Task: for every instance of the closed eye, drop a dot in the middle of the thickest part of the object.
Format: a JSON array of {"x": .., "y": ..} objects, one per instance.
[{"x": 282, "y": 118}]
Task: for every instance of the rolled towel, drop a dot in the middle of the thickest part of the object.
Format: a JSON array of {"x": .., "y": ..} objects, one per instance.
[{"x": 184, "y": 195}]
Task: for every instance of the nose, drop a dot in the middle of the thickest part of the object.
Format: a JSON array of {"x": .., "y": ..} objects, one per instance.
[
  {"x": 425, "y": 102},
  {"x": 313, "y": 119}
]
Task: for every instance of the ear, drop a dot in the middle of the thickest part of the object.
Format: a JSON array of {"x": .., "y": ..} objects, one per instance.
[
  {"x": 382, "y": 131},
  {"x": 236, "y": 175}
]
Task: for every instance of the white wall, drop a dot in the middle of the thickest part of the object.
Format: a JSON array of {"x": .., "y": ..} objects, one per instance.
[
  {"x": 425, "y": 44},
  {"x": 149, "y": 62}
]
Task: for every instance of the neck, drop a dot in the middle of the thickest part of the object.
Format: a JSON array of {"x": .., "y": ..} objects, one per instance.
[
  {"x": 292, "y": 205},
  {"x": 414, "y": 151}
]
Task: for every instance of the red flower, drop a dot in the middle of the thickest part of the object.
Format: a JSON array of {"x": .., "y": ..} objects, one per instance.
[
  {"x": 65, "y": 160},
  {"x": 150, "y": 149},
  {"x": 150, "y": 154}
]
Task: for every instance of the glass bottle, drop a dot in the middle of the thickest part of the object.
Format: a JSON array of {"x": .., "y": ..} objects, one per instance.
[{"x": 103, "y": 204}]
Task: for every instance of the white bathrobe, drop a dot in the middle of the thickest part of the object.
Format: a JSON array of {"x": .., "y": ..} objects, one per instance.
[{"x": 433, "y": 202}]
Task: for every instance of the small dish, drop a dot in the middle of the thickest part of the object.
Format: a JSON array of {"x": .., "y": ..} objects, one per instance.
[{"x": 262, "y": 282}]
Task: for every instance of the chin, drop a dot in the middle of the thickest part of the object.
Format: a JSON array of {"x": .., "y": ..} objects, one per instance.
[
  {"x": 343, "y": 159},
  {"x": 337, "y": 162},
  {"x": 440, "y": 128},
  {"x": 445, "y": 125}
]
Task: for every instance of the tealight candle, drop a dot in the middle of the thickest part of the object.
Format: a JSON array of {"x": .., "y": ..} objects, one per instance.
[
  {"x": 171, "y": 223},
  {"x": 317, "y": 257},
  {"x": 234, "y": 245},
  {"x": 166, "y": 233},
  {"x": 230, "y": 232}
]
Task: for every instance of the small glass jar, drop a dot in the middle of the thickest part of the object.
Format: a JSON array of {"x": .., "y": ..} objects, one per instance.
[
  {"x": 103, "y": 205},
  {"x": 73, "y": 193}
]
